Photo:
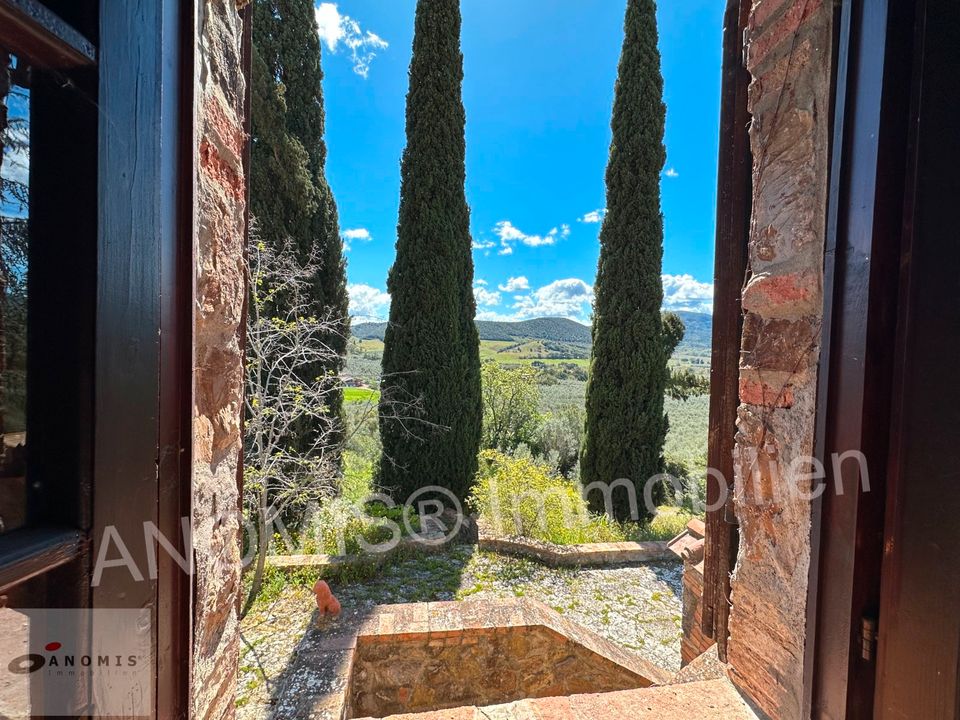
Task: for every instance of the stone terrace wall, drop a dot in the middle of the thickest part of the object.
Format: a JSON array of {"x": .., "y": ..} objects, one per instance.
[
  {"x": 788, "y": 53},
  {"x": 430, "y": 656},
  {"x": 219, "y": 256}
]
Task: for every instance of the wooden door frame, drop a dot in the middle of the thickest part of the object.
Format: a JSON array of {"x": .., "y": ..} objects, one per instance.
[
  {"x": 734, "y": 192},
  {"x": 144, "y": 336},
  {"x": 859, "y": 328},
  {"x": 917, "y": 654}
]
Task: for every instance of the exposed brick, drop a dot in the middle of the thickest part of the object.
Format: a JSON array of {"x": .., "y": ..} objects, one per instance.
[
  {"x": 754, "y": 392},
  {"x": 779, "y": 344},
  {"x": 218, "y": 374},
  {"x": 779, "y": 36},
  {"x": 793, "y": 294},
  {"x": 789, "y": 45},
  {"x": 221, "y": 172},
  {"x": 763, "y": 10}
]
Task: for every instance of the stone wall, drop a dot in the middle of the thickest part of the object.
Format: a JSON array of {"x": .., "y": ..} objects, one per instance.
[
  {"x": 431, "y": 656},
  {"x": 788, "y": 54},
  {"x": 218, "y": 380}
]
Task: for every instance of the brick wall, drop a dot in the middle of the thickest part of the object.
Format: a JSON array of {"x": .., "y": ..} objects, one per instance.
[
  {"x": 788, "y": 53},
  {"x": 693, "y": 643},
  {"x": 218, "y": 379}
]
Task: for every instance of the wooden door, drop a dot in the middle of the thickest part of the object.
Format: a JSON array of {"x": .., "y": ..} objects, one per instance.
[{"x": 919, "y": 624}]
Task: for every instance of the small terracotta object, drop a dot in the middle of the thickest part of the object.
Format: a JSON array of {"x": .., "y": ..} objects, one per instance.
[{"x": 326, "y": 602}]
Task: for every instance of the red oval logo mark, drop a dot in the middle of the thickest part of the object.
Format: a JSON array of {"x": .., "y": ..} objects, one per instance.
[{"x": 52, "y": 647}]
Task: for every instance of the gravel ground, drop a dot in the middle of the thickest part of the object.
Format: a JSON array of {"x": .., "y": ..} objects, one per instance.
[{"x": 638, "y": 607}]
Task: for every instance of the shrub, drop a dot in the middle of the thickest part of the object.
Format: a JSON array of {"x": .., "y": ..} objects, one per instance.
[
  {"x": 341, "y": 527},
  {"x": 511, "y": 397},
  {"x": 357, "y": 482},
  {"x": 665, "y": 525},
  {"x": 557, "y": 440},
  {"x": 517, "y": 496}
]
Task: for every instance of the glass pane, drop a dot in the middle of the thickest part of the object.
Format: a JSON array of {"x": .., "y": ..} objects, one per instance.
[{"x": 14, "y": 227}]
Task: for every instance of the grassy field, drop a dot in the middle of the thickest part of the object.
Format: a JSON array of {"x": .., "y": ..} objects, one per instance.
[
  {"x": 507, "y": 352},
  {"x": 686, "y": 440},
  {"x": 360, "y": 395}
]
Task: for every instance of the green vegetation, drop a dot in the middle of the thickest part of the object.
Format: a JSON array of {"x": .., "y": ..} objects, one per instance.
[
  {"x": 289, "y": 194},
  {"x": 559, "y": 330},
  {"x": 665, "y": 525},
  {"x": 626, "y": 426},
  {"x": 360, "y": 395},
  {"x": 431, "y": 349},
  {"x": 517, "y": 496},
  {"x": 511, "y": 397}
]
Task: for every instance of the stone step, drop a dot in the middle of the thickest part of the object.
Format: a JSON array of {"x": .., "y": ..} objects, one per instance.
[{"x": 711, "y": 699}]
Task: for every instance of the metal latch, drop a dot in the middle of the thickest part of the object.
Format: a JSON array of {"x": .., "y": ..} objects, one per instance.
[{"x": 868, "y": 638}]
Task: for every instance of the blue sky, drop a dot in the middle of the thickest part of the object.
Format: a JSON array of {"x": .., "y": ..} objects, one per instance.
[{"x": 538, "y": 91}]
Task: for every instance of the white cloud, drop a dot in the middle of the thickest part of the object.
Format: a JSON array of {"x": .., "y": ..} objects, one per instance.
[
  {"x": 361, "y": 234},
  {"x": 594, "y": 216},
  {"x": 483, "y": 244},
  {"x": 480, "y": 281},
  {"x": 573, "y": 298},
  {"x": 672, "y": 173},
  {"x": 368, "y": 303},
  {"x": 684, "y": 292},
  {"x": 335, "y": 29},
  {"x": 514, "y": 284},
  {"x": 357, "y": 234},
  {"x": 486, "y": 297},
  {"x": 509, "y": 235},
  {"x": 570, "y": 298}
]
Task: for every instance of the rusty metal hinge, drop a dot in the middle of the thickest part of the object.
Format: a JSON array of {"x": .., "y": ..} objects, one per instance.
[{"x": 868, "y": 638}]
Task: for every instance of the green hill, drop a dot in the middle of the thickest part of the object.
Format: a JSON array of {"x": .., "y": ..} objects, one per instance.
[
  {"x": 554, "y": 329},
  {"x": 696, "y": 340},
  {"x": 698, "y": 337}
]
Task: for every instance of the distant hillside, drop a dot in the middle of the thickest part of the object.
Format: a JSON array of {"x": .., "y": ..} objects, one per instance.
[
  {"x": 696, "y": 340},
  {"x": 554, "y": 329},
  {"x": 698, "y": 336},
  {"x": 369, "y": 331}
]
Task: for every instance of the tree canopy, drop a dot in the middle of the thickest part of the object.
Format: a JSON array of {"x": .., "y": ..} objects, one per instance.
[
  {"x": 431, "y": 347},
  {"x": 626, "y": 425}
]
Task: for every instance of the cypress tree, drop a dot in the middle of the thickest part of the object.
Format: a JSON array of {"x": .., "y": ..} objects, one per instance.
[
  {"x": 431, "y": 347},
  {"x": 290, "y": 194},
  {"x": 626, "y": 425}
]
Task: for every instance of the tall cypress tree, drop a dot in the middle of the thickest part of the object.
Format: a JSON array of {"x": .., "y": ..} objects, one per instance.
[
  {"x": 626, "y": 425},
  {"x": 431, "y": 347},
  {"x": 289, "y": 82}
]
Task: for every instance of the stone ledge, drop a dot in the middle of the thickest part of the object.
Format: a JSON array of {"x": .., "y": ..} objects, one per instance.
[
  {"x": 292, "y": 563},
  {"x": 587, "y": 554},
  {"x": 714, "y": 699}
]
